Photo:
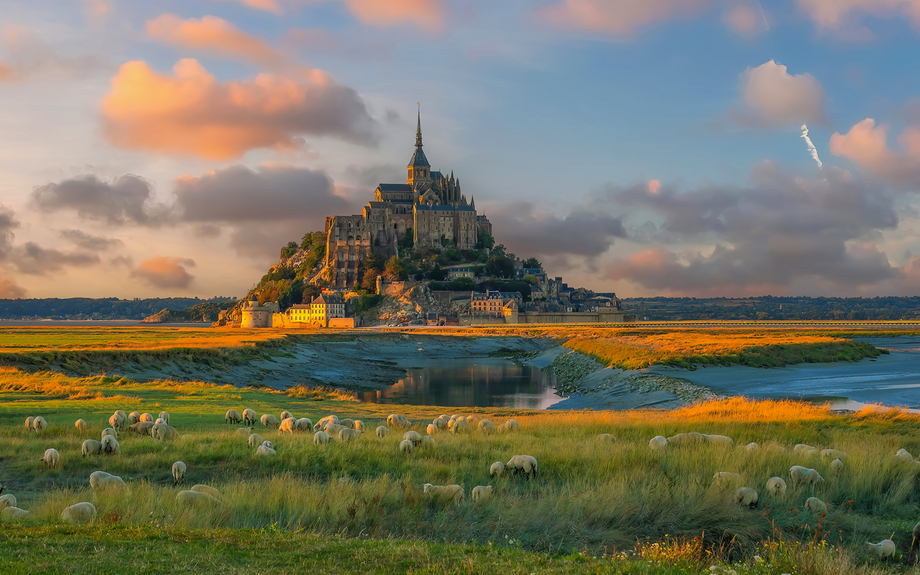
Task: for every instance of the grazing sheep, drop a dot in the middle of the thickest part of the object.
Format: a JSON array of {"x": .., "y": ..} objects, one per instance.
[
  {"x": 80, "y": 425},
  {"x": 685, "y": 438},
  {"x": 29, "y": 421},
  {"x": 287, "y": 425},
  {"x": 359, "y": 425},
  {"x": 286, "y": 414},
  {"x": 163, "y": 432},
  {"x": 347, "y": 434},
  {"x": 324, "y": 421},
  {"x": 146, "y": 417},
  {"x": 347, "y": 423},
  {"x": 884, "y": 548},
  {"x": 196, "y": 498},
  {"x": 52, "y": 458},
  {"x": 249, "y": 417},
  {"x": 450, "y": 423},
  {"x": 79, "y": 513},
  {"x": 658, "y": 442},
  {"x": 117, "y": 419},
  {"x": 511, "y": 425},
  {"x": 243, "y": 431},
  {"x": 405, "y": 446},
  {"x": 803, "y": 475},
  {"x": 497, "y": 469},
  {"x": 834, "y": 454},
  {"x": 606, "y": 437},
  {"x": 816, "y": 506},
  {"x": 455, "y": 417},
  {"x": 164, "y": 415},
  {"x": 110, "y": 446},
  {"x": 751, "y": 446},
  {"x": 303, "y": 424},
  {"x": 486, "y": 426},
  {"x": 254, "y": 440},
  {"x": 776, "y": 486},
  {"x": 159, "y": 421},
  {"x": 396, "y": 420},
  {"x": 39, "y": 424},
  {"x": 7, "y": 500},
  {"x": 903, "y": 456},
  {"x": 207, "y": 489},
  {"x": 439, "y": 423},
  {"x": 481, "y": 493},
  {"x": 805, "y": 450},
  {"x": 142, "y": 427},
  {"x": 444, "y": 493},
  {"x": 333, "y": 429},
  {"x": 461, "y": 426},
  {"x": 103, "y": 480},
  {"x": 91, "y": 447},
  {"x": 430, "y": 429},
  {"x": 233, "y": 417},
  {"x": 14, "y": 514},
  {"x": 381, "y": 431},
  {"x": 837, "y": 467},
  {"x": 109, "y": 431},
  {"x": 719, "y": 440},
  {"x": 725, "y": 480},
  {"x": 266, "y": 449},
  {"x": 746, "y": 496},
  {"x": 413, "y": 436},
  {"x": 178, "y": 471},
  {"x": 525, "y": 464},
  {"x": 269, "y": 420},
  {"x": 134, "y": 417},
  {"x": 321, "y": 438}
]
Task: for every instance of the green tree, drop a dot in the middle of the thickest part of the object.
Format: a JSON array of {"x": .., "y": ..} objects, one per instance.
[
  {"x": 395, "y": 270},
  {"x": 484, "y": 241},
  {"x": 531, "y": 279},
  {"x": 406, "y": 242},
  {"x": 533, "y": 263},
  {"x": 500, "y": 266}
]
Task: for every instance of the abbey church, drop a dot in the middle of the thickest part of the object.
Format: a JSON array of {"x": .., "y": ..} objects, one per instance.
[{"x": 430, "y": 206}]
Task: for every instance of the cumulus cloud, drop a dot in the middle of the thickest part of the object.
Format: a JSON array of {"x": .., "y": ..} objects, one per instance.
[
  {"x": 428, "y": 14},
  {"x": 779, "y": 231},
  {"x": 273, "y": 6},
  {"x": 125, "y": 199},
  {"x": 31, "y": 258},
  {"x": 193, "y": 113},
  {"x": 9, "y": 289},
  {"x": 773, "y": 97},
  {"x": 746, "y": 19},
  {"x": 619, "y": 17},
  {"x": 845, "y": 15},
  {"x": 866, "y": 145},
  {"x": 526, "y": 230},
  {"x": 89, "y": 242},
  {"x": 165, "y": 272},
  {"x": 212, "y": 35},
  {"x": 29, "y": 55}
]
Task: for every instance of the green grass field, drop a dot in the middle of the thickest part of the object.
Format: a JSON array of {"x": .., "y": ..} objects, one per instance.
[{"x": 596, "y": 506}]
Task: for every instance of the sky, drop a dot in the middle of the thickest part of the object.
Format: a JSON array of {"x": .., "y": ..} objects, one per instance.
[{"x": 655, "y": 147}]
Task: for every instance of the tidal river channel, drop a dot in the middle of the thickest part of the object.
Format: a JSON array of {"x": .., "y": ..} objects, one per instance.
[{"x": 475, "y": 382}]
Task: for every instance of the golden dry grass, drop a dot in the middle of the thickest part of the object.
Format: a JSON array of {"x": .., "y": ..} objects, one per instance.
[{"x": 45, "y": 339}]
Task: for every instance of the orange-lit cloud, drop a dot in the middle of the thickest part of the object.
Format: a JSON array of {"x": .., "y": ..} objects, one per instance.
[
  {"x": 866, "y": 145},
  {"x": 772, "y": 96},
  {"x": 165, "y": 272},
  {"x": 428, "y": 14},
  {"x": 843, "y": 15},
  {"x": 745, "y": 19},
  {"x": 213, "y": 35},
  {"x": 272, "y": 6},
  {"x": 9, "y": 289},
  {"x": 193, "y": 113},
  {"x": 619, "y": 17},
  {"x": 654, "y": 186}
]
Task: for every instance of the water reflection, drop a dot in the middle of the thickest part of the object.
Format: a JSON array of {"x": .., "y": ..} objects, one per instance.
[{"x": 471, "y": 383}]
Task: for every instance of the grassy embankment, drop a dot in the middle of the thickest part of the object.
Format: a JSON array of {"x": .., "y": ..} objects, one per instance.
[{"x": 311, "y": 505}]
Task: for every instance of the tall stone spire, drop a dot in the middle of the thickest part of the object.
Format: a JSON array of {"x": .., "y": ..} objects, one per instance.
[
  {"x": 419, "y": 169},
  {"x": 418, "y": 130}
]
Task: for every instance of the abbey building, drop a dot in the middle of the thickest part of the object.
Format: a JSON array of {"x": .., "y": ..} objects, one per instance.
[{"x": 430, "y": 207}]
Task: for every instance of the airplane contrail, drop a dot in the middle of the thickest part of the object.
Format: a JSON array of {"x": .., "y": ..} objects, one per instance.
[{"x": 811, "y": 146}]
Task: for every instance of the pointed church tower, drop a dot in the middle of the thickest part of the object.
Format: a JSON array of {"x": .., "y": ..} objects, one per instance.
[{"x": 419, "y": 168}]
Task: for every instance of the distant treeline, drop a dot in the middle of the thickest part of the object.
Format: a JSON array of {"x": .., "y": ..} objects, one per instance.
[
  {"x": 84, "y": 308},
  {"x": 773, "y": 308}
]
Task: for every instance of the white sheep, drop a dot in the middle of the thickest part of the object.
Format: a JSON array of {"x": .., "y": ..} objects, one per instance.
[
  {"x": 7, "y": 500},
  {"x": 413, "y": 436},
  {"x": 109, "y": 431},
  {"x": 804, "y": 476},
  {"x": 118, "y": 419},
  {"x": 752, "y": 446},
  {"x": 725, "y": 480},
  {"x": 381, "y": 431},
  {"x": 80, "y": 425},
  {"x": 110, "y": 446},
  {"x": 805, "y": 450},
  {"x": 321, "y": 438},
  {"x": 444, "y": 493},
  {"x": 431, "y": 429},
  {"x": 207, "y": 489},
  {"x": 884, "y": 548},
  {"x": 658, "y": 442},
  {"x": 249, "y": 417},
  {"x": 254, "y": 440},
  {"x": 837, "y": 466},
  {"x": 52, "y": 458},
  {"x": 163, "y": 432},
  {"x": 14, "y": 514},
  {"x": 287, "y": 425},
  {"x": 286, "y": 414},
  {"x": 511, "y": 425},
  {"x": 347, "y": 423},
  {"x": 816, "y": 506},
  {"x": 396, "y": 420},
  {"x": 102, "y": 480},
  {"x": 178, "y": 471},
  {"x": 481, "y": 493},
  {"x": 146, "y": 417},
  {"x": 324, "y": 421},
  {"x": 246, "y": 431},
  {"x": 347, "y": 434},
  {"x": 269, "y": 420},
  {"x": 196, "y": 498},
  {"x": 428, "y": 442},
  {"x": 719, "y": 440},
  {"x": 486, "y": 426},
  {"x": 834, "y": 454},
  {"x": 497, "y": 469},
  {"x": 333, "y": 429},
  {"x": 303, "y": 424},
  {"x": 685, "y": 438},
  {"x": 903, "y": 456},
  {"x": 134, "y": 417},
  {"x": 39, "y": 424},
  {"x": 461, "y": 426},
  {"x": 359, "y": 425},
  {"x": 164, "y": 415},
  {"x": 522, "y": 464},
  {"x": 142, "y": 427},
  {"x": 29, "y": 421},
  {"x": 746, "y": 496},
  {"x": 79, "y": 513},
  {"x": 439, "y": 423},
  {"x": 159, "y": 421},
  {"x": 606, "y": 438},
  {"x": 266, "y": 449},
  {"x": 91, "y": 447},
  {"x": 776, "y": 486},
  {"x": 233, "y": 417},
  {"x": 405, "y": 446}
]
